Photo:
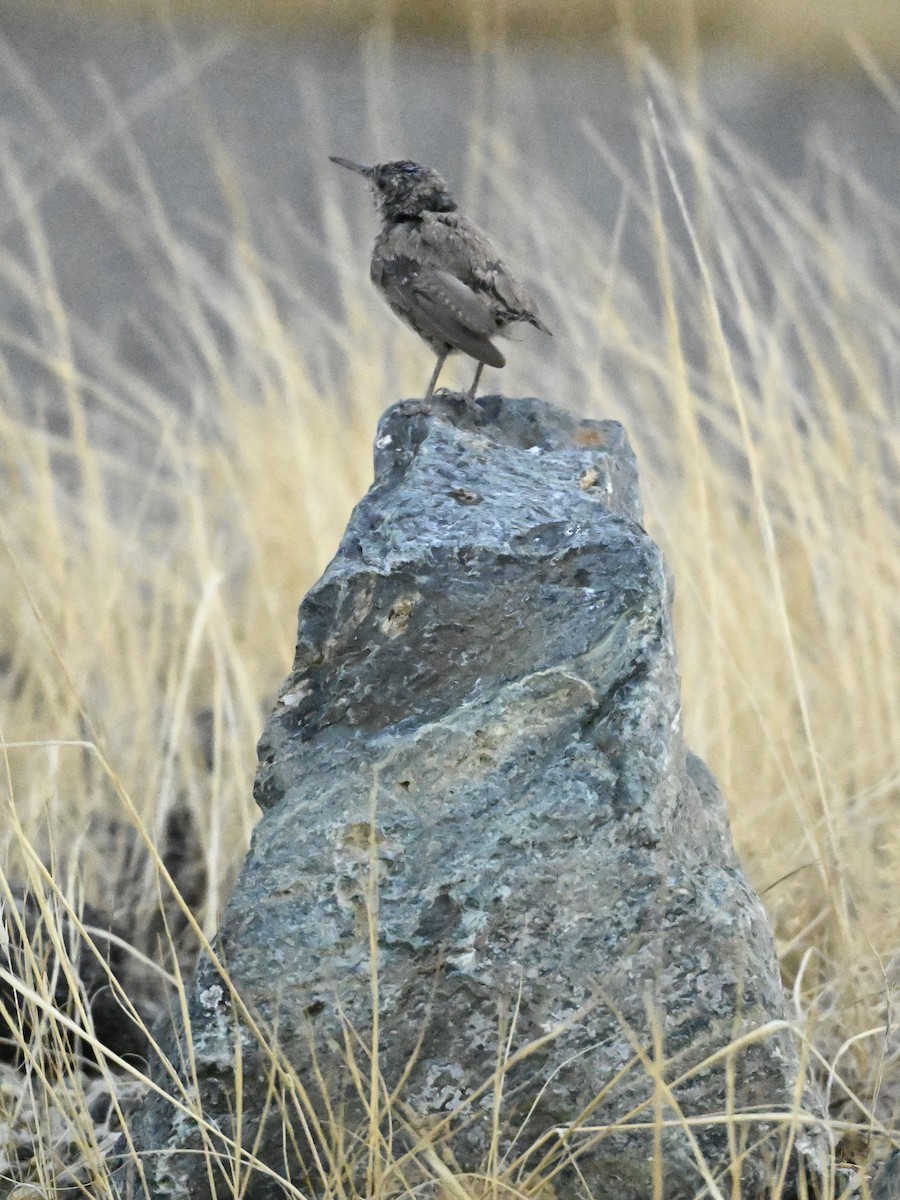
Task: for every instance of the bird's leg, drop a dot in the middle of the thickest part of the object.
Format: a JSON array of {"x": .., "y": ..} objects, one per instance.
[
  {"x": 470, "y": 395},
  {"x": 442, "y": 358}
]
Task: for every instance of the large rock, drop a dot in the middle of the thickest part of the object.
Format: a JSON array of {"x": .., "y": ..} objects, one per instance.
[{"x": 476, "y": 774}]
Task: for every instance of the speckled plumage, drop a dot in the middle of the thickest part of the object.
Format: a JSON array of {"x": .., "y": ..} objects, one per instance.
[{"x": 438, "y": 271}]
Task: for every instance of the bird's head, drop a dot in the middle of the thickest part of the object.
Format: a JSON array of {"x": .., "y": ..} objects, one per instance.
[{"x": 404, "y": 189}]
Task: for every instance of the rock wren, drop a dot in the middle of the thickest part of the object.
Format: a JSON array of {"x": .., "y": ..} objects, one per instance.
[{"x": 437, "y": 271}]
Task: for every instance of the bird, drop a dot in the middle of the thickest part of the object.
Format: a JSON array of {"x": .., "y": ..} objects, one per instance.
[{"x": 438, "y": 272}]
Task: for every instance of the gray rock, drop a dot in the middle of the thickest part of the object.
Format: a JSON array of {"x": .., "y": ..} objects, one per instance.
[
  {"x": 481, "y": 741},
  {"x": 886, "y": 1184}
]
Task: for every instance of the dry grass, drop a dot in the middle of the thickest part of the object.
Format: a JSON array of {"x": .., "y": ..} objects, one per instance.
[{"x": 153, "y": 560}]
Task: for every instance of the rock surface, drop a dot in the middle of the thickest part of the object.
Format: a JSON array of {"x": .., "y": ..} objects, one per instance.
[{"x": 476, "y": 770}]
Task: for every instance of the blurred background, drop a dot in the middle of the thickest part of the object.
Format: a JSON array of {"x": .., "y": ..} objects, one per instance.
[
  {"x": 231, "y": 108},
  {"x": 799, "y": 33}
]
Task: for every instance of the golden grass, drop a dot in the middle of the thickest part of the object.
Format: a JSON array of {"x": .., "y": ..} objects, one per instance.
[{"x": 153, "y": 560}]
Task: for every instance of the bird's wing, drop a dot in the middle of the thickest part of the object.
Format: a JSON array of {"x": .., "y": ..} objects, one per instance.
[
  {"x": 445, "y": 308},
  {"x": 475, "y": 259}
]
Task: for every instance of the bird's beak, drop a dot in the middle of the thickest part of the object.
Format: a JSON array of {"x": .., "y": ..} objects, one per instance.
[{"x": 352, "y": 166}]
